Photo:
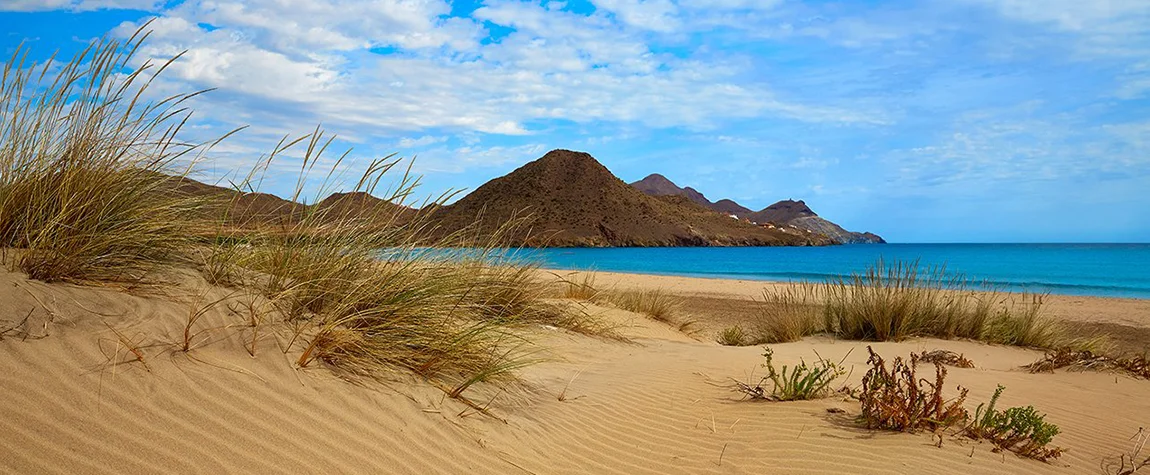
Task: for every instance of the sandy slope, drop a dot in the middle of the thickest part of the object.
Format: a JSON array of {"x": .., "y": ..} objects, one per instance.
[{"x": 660, "y": 405}]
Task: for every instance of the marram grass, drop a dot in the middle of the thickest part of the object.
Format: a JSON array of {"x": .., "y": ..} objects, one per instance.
[
  {"x": 90, "y": 170},
  {"x": 895, "y": 301}
]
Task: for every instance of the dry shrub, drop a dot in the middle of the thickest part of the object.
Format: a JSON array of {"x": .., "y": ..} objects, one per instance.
[
  {"x": 86, "y": 164},
  {"x": 945, "y": 357},
  {"x": 1021, "y": 430},
  {"x": 1080, "y": 360},
  {"x": 897, "y": 399}
]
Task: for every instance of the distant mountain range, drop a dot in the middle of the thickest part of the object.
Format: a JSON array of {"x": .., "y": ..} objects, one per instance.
[
  {"x": 786, "y": 212},
  {"x": 562, "y": 199},
  {"x": 570, "y": 199}
]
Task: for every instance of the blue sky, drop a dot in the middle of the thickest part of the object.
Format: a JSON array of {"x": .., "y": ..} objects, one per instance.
[{"x": 938, "y": 121}]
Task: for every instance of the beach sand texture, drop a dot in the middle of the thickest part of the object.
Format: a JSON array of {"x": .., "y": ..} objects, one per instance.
[{"x": 75, "y": 402}]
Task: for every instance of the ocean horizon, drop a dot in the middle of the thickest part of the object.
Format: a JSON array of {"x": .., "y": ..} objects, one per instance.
[{"x": 1086, "y": 269}]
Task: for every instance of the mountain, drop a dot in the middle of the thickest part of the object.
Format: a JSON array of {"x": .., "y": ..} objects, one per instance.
[
  {"x": 260, "y": 210},
  {"x": 782, "y": 212},
  {"x": 798, "y": 214},
  {"x": 658, "y": 185},
  {"x": 787, "y": 212},
  {"x": 730, "y": 207},
  {"x": 568, "y": 198}
]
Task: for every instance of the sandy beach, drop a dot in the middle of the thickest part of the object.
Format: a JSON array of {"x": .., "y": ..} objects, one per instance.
[{"x": 77, "y": 402}]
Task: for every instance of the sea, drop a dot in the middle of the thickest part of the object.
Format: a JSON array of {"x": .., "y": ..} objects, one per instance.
[{"x": 1106, "y": 270}]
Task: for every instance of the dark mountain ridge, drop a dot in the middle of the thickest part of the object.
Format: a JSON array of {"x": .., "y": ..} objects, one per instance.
[
  {"x": 785, "y": 212},
  {"x": 573, "y": 200}
]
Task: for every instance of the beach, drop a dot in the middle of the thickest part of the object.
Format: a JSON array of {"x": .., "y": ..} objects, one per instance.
[{"x": 664, "y": 402}]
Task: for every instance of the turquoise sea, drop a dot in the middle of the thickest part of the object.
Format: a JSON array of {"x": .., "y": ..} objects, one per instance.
[{"x": 1110, "y": 270}]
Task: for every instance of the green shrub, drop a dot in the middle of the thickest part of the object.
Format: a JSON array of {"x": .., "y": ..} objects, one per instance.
[
  {"x": 800, "y": 383},
  {"x": 1021, "y": 430}
]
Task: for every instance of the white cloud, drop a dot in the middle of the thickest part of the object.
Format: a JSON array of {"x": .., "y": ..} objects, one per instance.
[
  {"x": 655, "y": 15},
  {"x": 408, "y": 142},
  {"x": 299, "y": 66},
  {"x": 78, "y": 5}
]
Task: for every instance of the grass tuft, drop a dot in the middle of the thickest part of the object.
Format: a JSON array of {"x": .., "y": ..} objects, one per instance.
[
  {"x": 891, "y": 302},
  {"x": 582, "y": 288},
  {"x": 732, "y": 336},
  {"x": 657, "y": 304},
  {"x": 87, "y": 165}
]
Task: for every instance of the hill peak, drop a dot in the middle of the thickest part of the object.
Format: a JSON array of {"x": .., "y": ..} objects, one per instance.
[{"x": 657, "y": 185}]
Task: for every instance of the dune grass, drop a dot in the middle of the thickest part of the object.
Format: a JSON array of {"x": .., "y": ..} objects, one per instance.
[
  {"x": 90, "y": 192},
  {"x": 891, "y": 302},
  {"x": 732, "y": 336},
  {"x": 84, "y": 162},
  {"x": 657, "y": 303},
  {"x": 582, "y": 288}
]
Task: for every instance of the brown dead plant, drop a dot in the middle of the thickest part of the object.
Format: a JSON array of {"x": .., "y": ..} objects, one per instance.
[{"x": 897, "y": 399}]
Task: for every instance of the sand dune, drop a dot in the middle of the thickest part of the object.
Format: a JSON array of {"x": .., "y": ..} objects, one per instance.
[{"x": 74, "y": 402}]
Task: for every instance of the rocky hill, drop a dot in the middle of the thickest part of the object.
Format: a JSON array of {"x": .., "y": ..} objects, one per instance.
[
  {"x": 568, "y": 198},
  {"x": 784, "y": 213},
  {"x": 658, "y": 185}
]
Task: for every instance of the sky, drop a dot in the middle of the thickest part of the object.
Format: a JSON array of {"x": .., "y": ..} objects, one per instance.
[{"x": 923, "y": 121}]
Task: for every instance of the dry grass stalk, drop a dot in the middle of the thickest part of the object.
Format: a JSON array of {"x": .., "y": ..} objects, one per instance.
[
  {"x": 131, "y": 346},
  {"x": 582, "y": 288},
  {"x": 1133, "y": 462}
]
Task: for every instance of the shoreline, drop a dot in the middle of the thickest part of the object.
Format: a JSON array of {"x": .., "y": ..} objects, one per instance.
[
  {"x": 776, "y": 281},
  {"x": 1122, "y": 311}
]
